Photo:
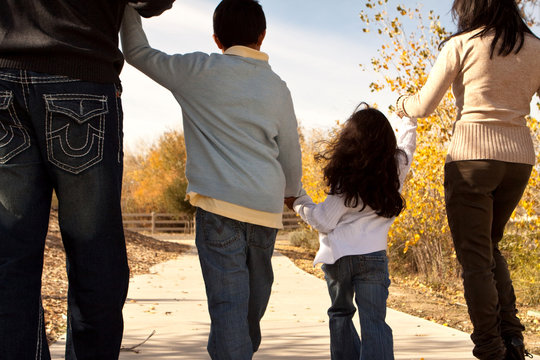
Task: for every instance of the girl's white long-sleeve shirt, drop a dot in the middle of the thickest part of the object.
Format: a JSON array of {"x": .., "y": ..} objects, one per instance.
[{"x": 347, "y": 231}]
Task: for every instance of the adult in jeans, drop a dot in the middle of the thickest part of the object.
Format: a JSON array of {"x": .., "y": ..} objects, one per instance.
[
  {"x": 61, "y": 129},
  {"x": 493, "y": 67}
]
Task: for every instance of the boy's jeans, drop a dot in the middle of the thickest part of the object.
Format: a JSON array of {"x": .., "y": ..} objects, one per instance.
[
  {"x": 364, "y": 277},
  {"x": 62, "y": 134},
  {"x": 236, "y": 264},
  {"x": 480, "y": 197}
]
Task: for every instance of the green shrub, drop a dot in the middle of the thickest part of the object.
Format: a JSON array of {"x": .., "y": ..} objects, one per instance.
[
  {"x": 522, "y": 254},
  {"x": 305, "y": 238}
]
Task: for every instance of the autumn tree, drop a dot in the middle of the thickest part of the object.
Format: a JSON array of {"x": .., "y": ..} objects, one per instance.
[
  {"x": 155, "y": 179},
  {"x": 312, "y": 143}
]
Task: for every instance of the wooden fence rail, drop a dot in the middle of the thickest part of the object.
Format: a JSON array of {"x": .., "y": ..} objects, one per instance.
[
  {"x": 290, "y": 220},
  {"x": 159, "y": 223},
  {"x": 184, "y": 224}
]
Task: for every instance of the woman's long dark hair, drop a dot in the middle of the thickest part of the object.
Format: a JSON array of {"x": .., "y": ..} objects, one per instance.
[
  {"x": 503, "y": 17},
  {"x": 362, "y": 163}
]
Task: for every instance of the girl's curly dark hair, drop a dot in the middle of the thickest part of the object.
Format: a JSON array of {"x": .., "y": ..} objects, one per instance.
[{"x": 362, "y": 163}]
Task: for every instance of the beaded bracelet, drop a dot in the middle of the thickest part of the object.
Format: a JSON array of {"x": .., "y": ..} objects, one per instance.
[{"x": 400, "y": 109}]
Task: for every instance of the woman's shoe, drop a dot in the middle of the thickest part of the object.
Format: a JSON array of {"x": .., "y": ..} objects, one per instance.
[{"x": 515, "y": 349}]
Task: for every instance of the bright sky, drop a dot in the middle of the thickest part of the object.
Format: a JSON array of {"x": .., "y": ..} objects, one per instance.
[{"x": 316, "y": 46}]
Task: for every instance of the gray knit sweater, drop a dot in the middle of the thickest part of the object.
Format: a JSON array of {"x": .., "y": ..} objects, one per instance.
[{"x": 239, "y": 123}]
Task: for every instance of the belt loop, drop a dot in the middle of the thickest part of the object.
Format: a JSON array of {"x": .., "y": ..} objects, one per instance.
[{"x": 118, "y": 87}]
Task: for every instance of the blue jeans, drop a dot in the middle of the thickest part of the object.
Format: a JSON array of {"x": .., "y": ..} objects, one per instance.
[
  {"x": 364, "y": 277},
  {"x": 62, "y": 134},
  {"x": 236, "y": 265}
]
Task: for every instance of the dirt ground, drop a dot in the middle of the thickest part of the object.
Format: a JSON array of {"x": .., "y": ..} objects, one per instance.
[
  {"x": 407, "y": 295},
  {"x": 413, "y": 297}
]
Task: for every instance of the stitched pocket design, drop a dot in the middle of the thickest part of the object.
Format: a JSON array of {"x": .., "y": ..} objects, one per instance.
[
  {"x": 75, "y": 130},
  {"x": 370, "y": 268},
  {"x": 14, "y": 138},
  {"x": 220, "y": 231},
  {"x": 262, "y": 237}
]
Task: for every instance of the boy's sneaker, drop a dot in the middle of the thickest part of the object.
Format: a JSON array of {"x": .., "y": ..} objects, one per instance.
[{"x": 515, "y": 349}]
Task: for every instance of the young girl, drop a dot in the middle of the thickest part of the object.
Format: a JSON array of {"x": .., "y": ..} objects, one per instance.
[{"x": 366, "y": 166}]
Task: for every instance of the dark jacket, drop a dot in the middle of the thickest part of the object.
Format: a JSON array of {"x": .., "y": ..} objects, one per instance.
[{"x": 75, "y": 38}]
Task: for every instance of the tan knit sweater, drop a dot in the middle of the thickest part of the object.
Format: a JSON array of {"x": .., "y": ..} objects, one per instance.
[{"x": 493, "y": 97}]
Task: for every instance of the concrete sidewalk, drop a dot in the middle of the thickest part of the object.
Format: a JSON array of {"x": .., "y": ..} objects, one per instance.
[{"x": 171, "y": 301}]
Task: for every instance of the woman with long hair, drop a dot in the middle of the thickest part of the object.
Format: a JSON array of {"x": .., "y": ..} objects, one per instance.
[
  {"x": 493, "y": 65},
  {"x": 365, "y": 167}
]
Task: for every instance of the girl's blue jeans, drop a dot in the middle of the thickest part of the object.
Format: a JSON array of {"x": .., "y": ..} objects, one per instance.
[
  {"x": 364, "y": 278},
  {"x": 63, "y": 134}
]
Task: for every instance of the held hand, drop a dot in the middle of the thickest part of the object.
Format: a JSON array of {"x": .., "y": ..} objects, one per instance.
[{"x": 289, "y": 201}]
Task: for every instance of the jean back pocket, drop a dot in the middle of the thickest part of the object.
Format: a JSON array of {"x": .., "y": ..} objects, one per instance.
[
  {"x": 75, "y": 130},
  {"x": 219, "y": 231},
  {"x": 14, "y": 138}
]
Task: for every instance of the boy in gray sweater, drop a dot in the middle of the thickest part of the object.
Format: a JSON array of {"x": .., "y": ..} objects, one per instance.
[{"x": 243, "y": 158}]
